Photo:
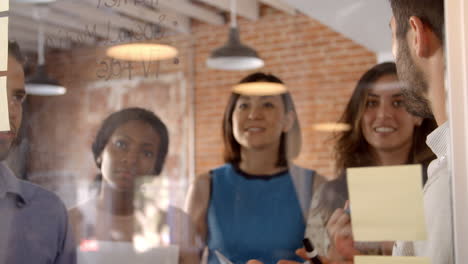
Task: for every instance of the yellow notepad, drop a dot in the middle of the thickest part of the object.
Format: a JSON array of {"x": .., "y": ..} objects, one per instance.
[
  {"x": 4, "y": 119},
  {"x": 3, "y": 43},
  {"x": 387, "y": 203},
  {"x": 4, "y": 5},
  {"x": 390, "y": 260}
]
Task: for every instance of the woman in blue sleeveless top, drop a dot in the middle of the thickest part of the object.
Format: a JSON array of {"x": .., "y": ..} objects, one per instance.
[{"x": 253, "y": 206}]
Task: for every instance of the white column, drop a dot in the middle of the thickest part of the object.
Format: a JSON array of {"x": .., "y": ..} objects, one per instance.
[{"x": 456, "y": 26}]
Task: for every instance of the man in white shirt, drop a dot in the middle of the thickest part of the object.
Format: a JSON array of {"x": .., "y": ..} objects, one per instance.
[{"x": 418, "y": 46}]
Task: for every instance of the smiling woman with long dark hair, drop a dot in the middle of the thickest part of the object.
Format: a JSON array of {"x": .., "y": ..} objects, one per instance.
[{"x": 382, "y": 133}]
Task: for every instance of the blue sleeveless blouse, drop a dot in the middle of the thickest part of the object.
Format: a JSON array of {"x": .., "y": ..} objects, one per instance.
[{"x": 254, "y": 217}]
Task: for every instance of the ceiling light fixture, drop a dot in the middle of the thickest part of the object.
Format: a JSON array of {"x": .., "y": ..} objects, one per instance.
[
  {"x": 39, "y": 83},
  {"x": 260, "y": 88},
  {"x": 234, "y": 56},
  {"x": 332, "y": 127},
  {"x": 142, "y": 52}
]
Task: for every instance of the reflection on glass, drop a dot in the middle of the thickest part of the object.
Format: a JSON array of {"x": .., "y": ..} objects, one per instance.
[
  {"x": 320, "y": 60},
  {"x": 332, "y": 127},
  {"x": 260, "y": 88},
  {"x": 130, "y": 144},
  {"x": 142, "y": 52}
]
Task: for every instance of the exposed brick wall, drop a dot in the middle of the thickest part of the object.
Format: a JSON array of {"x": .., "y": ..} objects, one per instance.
[{"x": 319, "y": 66}]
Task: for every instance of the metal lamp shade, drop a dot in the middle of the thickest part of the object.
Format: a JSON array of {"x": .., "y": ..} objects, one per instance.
[
  {"x": 40, "y": 84},
  {"x": 234, "y": 55}
]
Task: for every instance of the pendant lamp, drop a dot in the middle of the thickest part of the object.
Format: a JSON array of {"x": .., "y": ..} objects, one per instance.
[
  {"x": 39, "y": 83},
  {"x": 234, "y": 56},
  {"x": 142, "y": 52},
  {"x": 260, "y": 88}
]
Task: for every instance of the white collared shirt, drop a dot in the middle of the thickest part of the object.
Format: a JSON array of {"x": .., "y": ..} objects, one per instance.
[{"x": 437, "y": 205}]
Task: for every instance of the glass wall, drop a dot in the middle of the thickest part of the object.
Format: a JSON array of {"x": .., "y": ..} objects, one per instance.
[{"x": 172, "y": 131}]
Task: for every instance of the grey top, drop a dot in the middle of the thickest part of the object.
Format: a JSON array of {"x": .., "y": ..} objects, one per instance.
[{"x": 33, "y": 224}]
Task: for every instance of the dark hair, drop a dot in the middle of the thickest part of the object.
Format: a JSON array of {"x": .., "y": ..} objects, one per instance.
[
  {"x": 431, "y": 13},
  {"x": 117, "y": 119},
  {"x": 290, "y": 142},
  {"x": 352, "y": 149},
  {"x": 15, "y": 51}
]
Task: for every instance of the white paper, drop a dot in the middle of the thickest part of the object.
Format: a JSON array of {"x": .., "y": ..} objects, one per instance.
[{"x": 124, "y": 253}]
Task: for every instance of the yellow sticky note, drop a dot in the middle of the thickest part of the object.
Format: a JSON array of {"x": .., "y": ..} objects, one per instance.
[
  {"x": 387, "y": 203},
  {"x": 390, "y": 260},
  {"x": 4, "y": 119},
  {"x": 3, "y": 43},
  {"x": 4, "y": 5}
]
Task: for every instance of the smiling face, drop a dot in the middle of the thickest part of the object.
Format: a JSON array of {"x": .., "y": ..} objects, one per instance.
[
  {"x": 258, "y": 121},
  {"x": 15, "y": 95},
  {"x": 386, "y": 125},
  {"x": 130, "y": 152}
]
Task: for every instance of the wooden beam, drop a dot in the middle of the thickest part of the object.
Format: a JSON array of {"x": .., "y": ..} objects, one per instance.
[
  {"x": 163, "y": 17},
  {"x": 281, "y": 5},
  {"x": 25, "y": 37},
  {"x": 88, "y": 12},
  {"x": 93, "y": 14},
  {"x": 110, "y": 20},
  {"x": 54, "y": 33},
  {"x": 60, "y": 19},
  {"x": 187, "y": 8},
  {"x": 26, "y": 46},
  {"x": 245, "y": 8}
]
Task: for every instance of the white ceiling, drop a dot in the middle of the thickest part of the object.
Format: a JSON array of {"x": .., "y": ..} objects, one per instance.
[{"x": 364, "y": 21}]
